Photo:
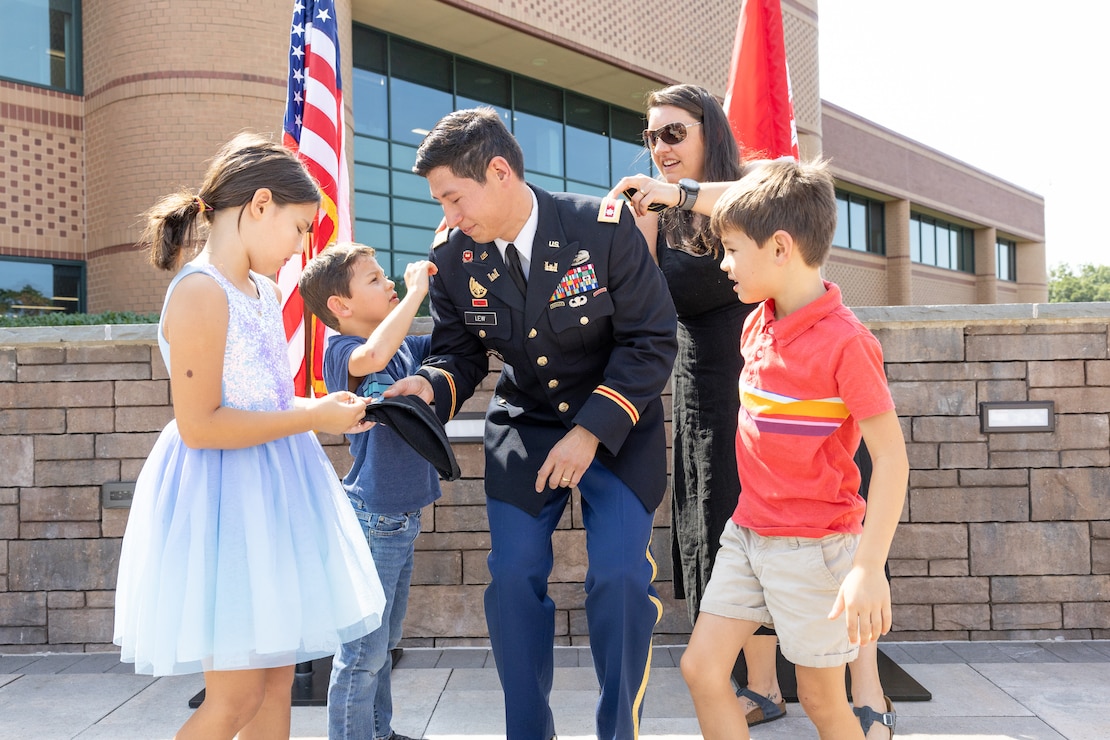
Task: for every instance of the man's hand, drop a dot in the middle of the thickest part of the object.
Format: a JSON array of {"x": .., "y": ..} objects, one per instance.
[
  {"x": 413, "y": 385},
  {"x": 567, "y": 462}
]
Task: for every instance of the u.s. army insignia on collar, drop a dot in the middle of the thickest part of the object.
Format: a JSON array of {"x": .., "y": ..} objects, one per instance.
[
  {"x": 493, "y": 275},
  {"x": 554, "y": 244},
  {"x": 550, "y": 266}
]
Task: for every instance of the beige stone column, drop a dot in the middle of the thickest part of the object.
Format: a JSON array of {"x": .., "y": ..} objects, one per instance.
[
  {"x": 165, "y": 85},
  {"x": 1032, "y": 275},
  {"x": 896, "y": 218},
  {"x": 986, "y": 265}
]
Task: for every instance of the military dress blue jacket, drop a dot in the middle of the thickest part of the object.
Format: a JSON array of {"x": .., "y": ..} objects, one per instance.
[{"x": 592, "y": 344}]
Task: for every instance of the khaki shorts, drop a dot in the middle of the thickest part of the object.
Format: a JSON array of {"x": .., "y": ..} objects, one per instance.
[{"x": 790, "y": 583}]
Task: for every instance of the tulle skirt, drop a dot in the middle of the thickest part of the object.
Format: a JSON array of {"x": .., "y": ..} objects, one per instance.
[{"x": 236, "y": 559}]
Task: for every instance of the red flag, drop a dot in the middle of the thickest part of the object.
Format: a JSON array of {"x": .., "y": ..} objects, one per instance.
[
  {"x": 759, "y": 102},
  {"x": 314, "y": 127}
]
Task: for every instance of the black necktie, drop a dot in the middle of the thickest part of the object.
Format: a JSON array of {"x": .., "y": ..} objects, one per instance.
[{"x": 516, "y": 271}]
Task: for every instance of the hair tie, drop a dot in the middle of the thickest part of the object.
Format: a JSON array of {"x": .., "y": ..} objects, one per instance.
[{"x": 201, "y": 205}]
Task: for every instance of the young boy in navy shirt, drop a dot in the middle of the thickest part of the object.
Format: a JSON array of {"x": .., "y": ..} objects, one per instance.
[{"x": 389, "y": 482}]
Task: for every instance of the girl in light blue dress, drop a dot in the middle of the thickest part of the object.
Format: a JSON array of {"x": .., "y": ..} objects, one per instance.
[{"x": 242, "y": 555}]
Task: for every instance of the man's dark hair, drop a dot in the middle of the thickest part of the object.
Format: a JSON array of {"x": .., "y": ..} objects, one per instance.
[{"x": 465, "y": 142}]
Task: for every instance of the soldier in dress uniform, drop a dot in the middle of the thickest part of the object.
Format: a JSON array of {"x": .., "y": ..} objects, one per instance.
[{"x": 562, "y": 288}]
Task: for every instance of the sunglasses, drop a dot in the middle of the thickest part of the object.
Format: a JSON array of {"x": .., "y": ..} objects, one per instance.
[{"x": 671, "y": 134}]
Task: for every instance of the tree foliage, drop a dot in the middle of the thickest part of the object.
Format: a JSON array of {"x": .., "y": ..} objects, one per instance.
[
  {"x": 1092, "y": 283},
  {"x": 22, "y": 301}
]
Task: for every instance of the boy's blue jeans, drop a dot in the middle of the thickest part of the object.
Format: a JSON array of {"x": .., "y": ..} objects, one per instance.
[{"x": 360, "y": 702}]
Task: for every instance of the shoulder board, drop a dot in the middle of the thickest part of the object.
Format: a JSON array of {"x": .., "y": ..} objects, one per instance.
[
  {"x": 610, "y": 211},
  {"x": 441, "y": 237}
]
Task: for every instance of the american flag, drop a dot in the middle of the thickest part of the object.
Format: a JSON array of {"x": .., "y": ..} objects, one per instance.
[{"x": 314, "y": 127}]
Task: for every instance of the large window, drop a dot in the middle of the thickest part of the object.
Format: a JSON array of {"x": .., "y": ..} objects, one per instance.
[
  {"x": 30, "y": 287},
  {"x": 1006, "y": 259},
  {"x": 401, "y": 89},
  {"x": 40, "y": 43},
  {"x": 859, "y": 223},
  {"x": 941, "y": 244}
]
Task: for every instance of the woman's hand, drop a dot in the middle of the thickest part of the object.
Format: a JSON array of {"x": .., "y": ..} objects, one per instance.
[{"x": 646, "y": 194}]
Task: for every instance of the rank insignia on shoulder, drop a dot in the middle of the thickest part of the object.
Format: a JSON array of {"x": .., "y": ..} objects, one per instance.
[
  {"x": 441, "y": 237},
  {"x": 610, "y": 211}
]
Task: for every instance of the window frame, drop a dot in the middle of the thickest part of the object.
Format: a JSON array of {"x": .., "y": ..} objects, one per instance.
[
  {"x": 73, "y": 60},
  {"x": 959, "y": 243},
  {"x": 80, "y": 300},
  {"x": 873, "y": 229},
  {"x": 1010, "y": 246}
]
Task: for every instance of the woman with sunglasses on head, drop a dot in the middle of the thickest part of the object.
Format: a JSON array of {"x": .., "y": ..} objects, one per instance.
[{"x": 692, "y": 145}]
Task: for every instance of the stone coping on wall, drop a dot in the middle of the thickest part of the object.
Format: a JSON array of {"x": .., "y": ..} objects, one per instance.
[{"x": 989, "y": 313}]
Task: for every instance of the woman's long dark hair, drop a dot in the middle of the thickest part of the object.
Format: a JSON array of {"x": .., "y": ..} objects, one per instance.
[{"x": 686, "y": 230}]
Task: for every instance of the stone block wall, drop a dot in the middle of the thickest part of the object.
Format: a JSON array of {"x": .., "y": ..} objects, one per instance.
[{"x": 1004, "y": 536}]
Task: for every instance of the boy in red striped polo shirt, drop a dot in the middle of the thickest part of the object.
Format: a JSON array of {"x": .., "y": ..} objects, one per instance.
[{"x": 796, "y": 554}]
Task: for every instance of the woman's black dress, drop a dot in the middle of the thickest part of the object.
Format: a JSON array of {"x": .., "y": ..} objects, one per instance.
[{"x": 705, "y": 401}]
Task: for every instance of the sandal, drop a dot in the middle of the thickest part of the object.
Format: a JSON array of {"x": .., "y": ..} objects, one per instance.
[
  {"x": 765, "y": 710},
  {"x": 868, "y": 716}
]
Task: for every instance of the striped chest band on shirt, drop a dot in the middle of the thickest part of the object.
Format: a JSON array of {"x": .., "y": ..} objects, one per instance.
[{"x": 780, "y": 414}]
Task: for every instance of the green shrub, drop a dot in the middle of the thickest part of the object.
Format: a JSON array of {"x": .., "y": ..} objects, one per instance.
[{"x": 58, "y": 318}]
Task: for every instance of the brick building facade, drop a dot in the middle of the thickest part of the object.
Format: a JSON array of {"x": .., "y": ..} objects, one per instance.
[{"x": 159, "y": 86}]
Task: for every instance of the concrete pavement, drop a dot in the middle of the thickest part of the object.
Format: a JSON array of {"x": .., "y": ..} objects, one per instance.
[{"x": 981, "y": 691}]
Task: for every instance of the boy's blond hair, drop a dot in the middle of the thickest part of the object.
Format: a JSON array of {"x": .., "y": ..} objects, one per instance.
[
  {"x": 328, "y": 274},
  {"x": 796, "y": 197}
]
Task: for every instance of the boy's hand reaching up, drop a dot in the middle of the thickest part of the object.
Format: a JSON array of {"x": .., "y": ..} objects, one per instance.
[{"x": 417, "y": 275}]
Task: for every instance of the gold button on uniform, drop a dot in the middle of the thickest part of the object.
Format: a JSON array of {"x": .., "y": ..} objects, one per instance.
[
  {"x": 482, "y": 333},
  {"x": 564, "y": 407},
  {"x": 553, "y": 383},
  {"x": 532, "y": 334},
  {"x": 584, "y": 320},
  {"x": 541, "y": 361}
]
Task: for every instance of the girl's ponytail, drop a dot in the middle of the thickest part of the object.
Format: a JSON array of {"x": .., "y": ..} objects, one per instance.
[{"x": 171, "y": 226}]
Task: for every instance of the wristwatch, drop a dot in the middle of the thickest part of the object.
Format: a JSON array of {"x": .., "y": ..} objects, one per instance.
[{"x": 689, "y": 189}]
